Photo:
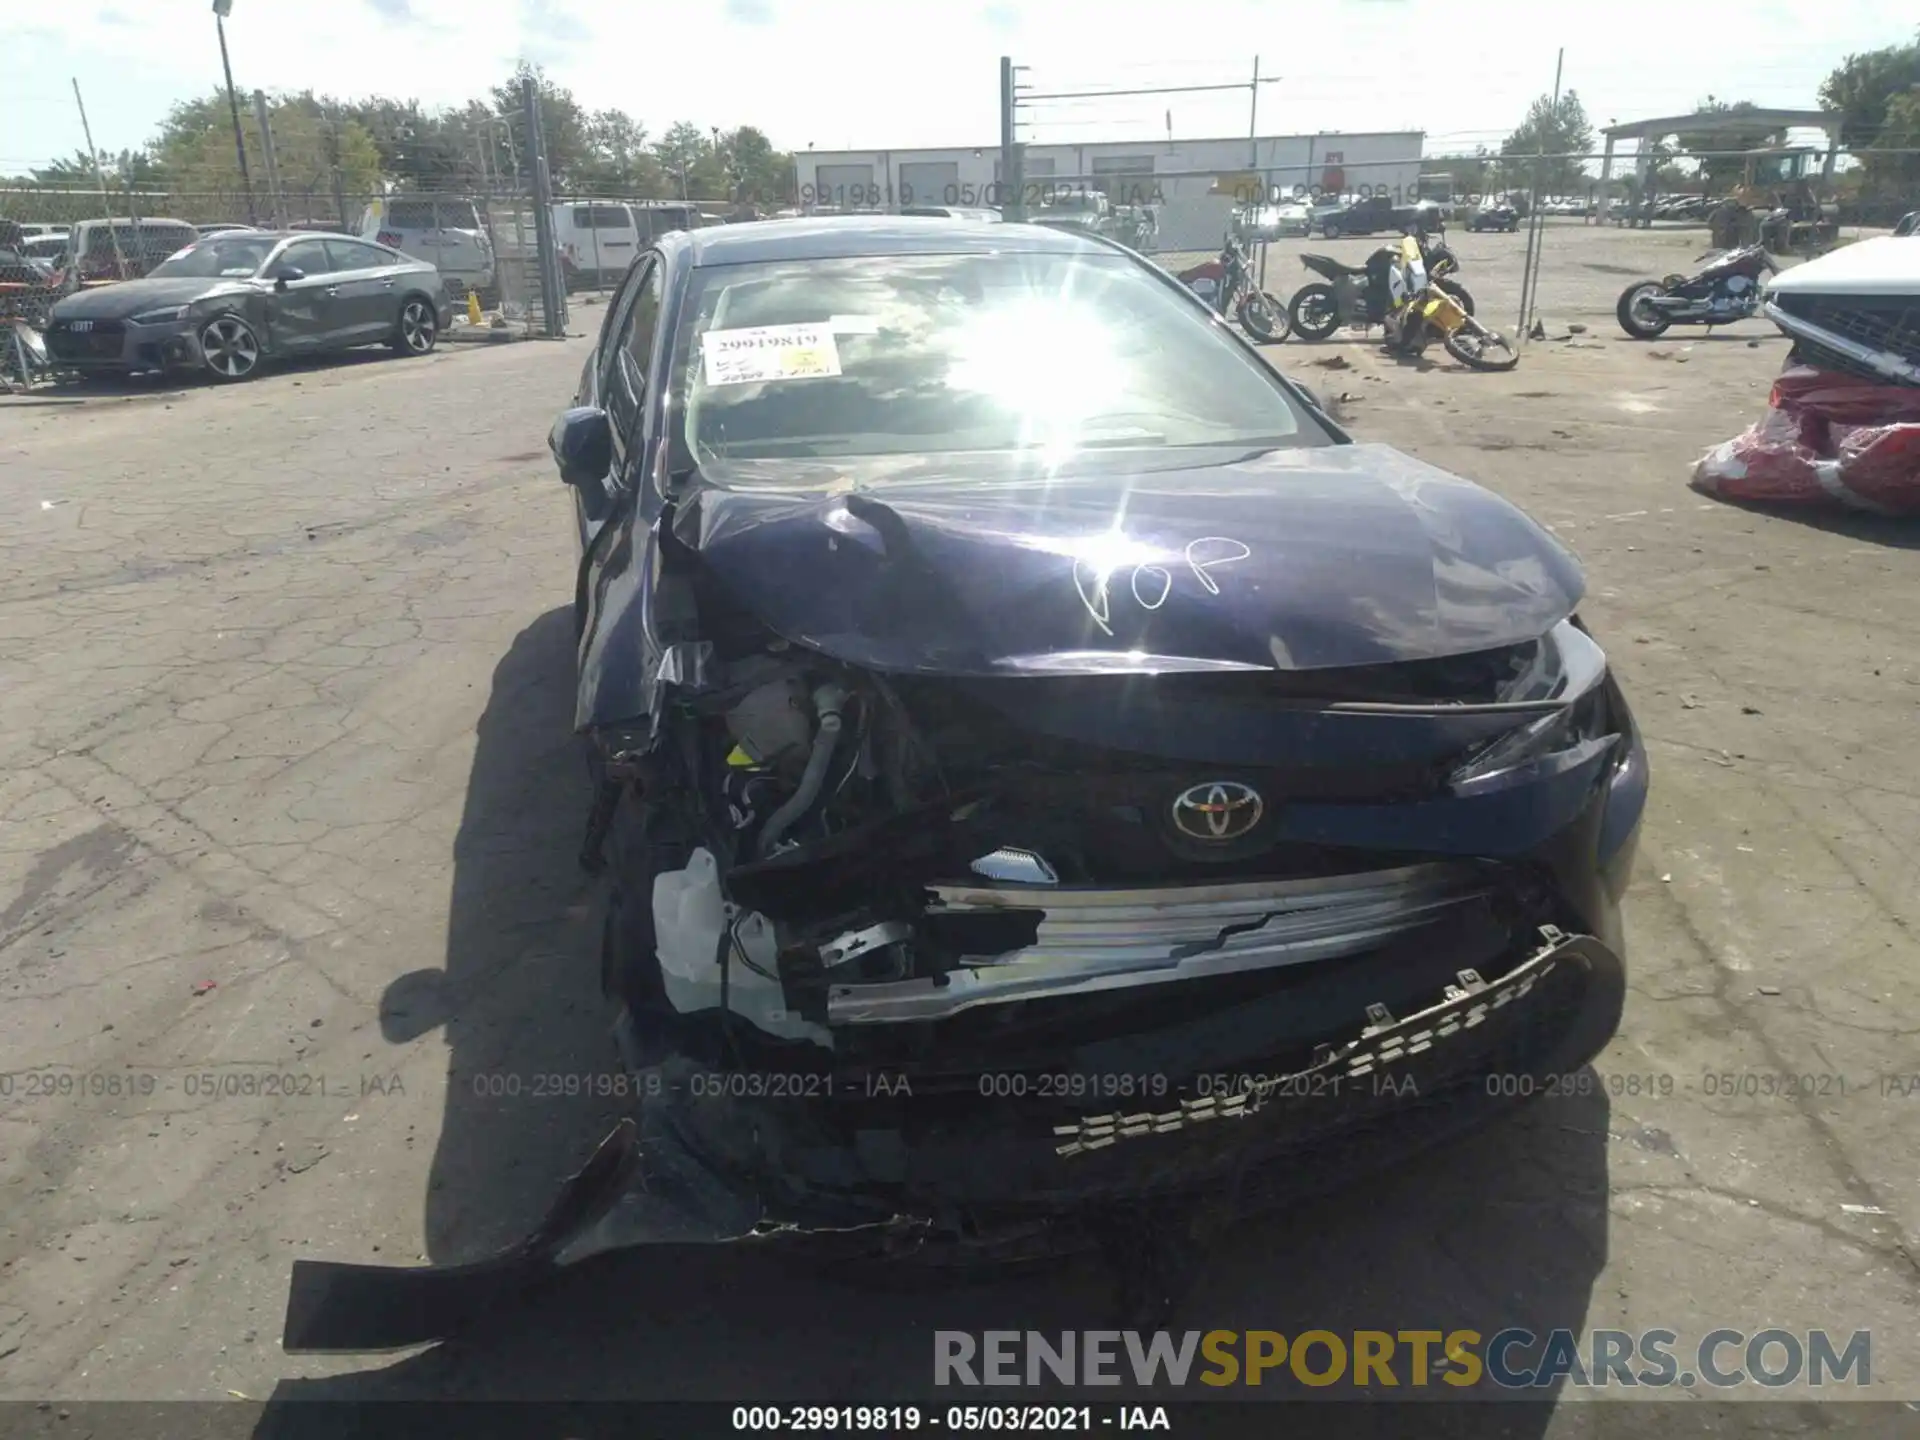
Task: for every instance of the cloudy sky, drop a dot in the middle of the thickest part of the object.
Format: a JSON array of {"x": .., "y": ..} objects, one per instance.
[{"x": 859, "y": 73}]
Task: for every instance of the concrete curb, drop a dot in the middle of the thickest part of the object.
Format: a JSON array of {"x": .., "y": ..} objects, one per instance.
[{"x": 479, "y": 335}]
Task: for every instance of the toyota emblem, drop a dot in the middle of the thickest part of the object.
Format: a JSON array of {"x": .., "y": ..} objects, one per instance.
[{"x": 1217, "y": 811}]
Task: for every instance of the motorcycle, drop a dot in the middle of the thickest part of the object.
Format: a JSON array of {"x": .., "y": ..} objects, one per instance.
[
  {"x": 1727, "y": 290},
  {"x": 1420, "y": 309},
  {"x": 1361, "y": 295},
  {"x": 1227, "y": 284}
]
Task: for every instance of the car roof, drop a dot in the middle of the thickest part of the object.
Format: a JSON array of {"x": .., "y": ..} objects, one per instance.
[
  {"x": 838, "y": 237},
  {"x": 292, "y": 235}
]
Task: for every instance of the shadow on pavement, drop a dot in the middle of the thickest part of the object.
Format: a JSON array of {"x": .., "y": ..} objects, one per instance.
[
  {"x": 518, "y": 996},
  {"x": 1895, "y": 532},
  {"x": 1506, "y": 1227}
]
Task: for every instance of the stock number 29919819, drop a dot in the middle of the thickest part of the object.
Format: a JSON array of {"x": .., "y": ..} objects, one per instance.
[{"x": 895, "y": 1419}]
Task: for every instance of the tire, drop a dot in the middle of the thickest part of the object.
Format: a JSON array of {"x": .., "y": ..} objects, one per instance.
[
  {"x": 229, "y": 349},
  {"x": 1458, "y": 292},
  {"x": 417, "y": 330},
  {"x": 1630, "y": 319},
  {"x": 1464, "y": 345},
  {"x": 1330, "y": 229},
  {"x": 1263, "y": 317},
  {"x": 1314, "y": 312}
]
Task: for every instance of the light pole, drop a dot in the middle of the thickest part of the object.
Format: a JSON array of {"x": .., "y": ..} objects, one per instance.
[{"x": 222, "y": 9}]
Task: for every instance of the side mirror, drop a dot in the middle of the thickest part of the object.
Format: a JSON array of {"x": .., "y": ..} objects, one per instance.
[
  {"x": 281, "y": 274},
  {"x": 582, "y": 444}
]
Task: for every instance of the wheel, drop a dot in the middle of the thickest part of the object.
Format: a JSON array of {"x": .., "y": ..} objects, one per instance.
[
  {"x": 1314, "y": 312},
  {"x": 1479, "y": 348},
  {"x": 1263, "y": 317},
  {"x": 229, "y": 348},
  {"x": 1330, "y": 229},
  {"x": 1458, "y": 292},
  {"x": 1637, "y": 318},
  {"x": 418, "y": 329}
]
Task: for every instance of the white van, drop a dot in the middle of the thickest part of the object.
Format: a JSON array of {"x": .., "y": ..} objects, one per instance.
[
  {"x": 126, "y": 249},
  {"x": 598, "y": 240},
  {"x": 445, "y": 232},
  {"x": 657, "y": 217}
]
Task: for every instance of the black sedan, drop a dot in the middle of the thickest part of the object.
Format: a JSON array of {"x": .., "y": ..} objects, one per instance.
[
  {"x": 1044, "y": 767},
  {"x": 234, "y": 300},
  {"x": 1494, "y": 217}
]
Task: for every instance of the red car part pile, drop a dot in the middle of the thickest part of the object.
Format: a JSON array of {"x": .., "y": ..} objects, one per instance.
[{"x": 1826, "y": 438}]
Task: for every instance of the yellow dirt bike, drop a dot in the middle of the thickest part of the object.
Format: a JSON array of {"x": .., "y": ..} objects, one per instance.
[{"x": 1419, "y": 311}]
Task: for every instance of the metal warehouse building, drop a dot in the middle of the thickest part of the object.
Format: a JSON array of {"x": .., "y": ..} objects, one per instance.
[{"x": 1177, "y": 177}]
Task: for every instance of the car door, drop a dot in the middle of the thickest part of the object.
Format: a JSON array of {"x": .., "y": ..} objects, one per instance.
[
  {"x": 367, "y": 302},
  {"x": 608, "y": 381},
  {"x": 303, "y": 314},
  {"x": 618, "y": 541}
]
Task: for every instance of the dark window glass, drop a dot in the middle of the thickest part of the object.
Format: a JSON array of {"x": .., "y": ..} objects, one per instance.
[
  {"x": 633, "y": 358},
  {"x": 352, "y": 255},
  {"x": 409, "y": 215},
  {"x": 307, "y": 255}
]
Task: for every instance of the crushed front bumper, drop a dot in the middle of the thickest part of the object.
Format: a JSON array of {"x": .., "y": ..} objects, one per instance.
[
  {"x": 1100, "y": 939},
  {"x": 1015, "y": 1177}
]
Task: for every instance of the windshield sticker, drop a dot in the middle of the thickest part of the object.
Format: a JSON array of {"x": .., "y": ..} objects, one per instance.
[
  {"x": 854, "y": 325},
  {"x": 769, "y": 352}
]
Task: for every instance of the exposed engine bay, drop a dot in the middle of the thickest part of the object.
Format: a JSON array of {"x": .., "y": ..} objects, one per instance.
[{"x": 833, "y": 853}]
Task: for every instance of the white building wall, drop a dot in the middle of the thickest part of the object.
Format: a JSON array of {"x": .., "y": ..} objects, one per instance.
[{"x": 1189, "y": 216}]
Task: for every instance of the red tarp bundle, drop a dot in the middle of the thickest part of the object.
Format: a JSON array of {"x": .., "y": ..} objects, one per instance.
[{"x": 1827, "y": 438}]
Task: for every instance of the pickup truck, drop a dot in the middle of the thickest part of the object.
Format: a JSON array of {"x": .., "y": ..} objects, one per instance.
[{"x": 1365, "y": 217}]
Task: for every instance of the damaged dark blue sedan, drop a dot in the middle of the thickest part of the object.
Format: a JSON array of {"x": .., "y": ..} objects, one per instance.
[{"x": 1047, "y": 773}]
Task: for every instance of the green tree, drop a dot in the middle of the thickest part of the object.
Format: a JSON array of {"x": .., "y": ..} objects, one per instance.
[
  {"x": 1553, "y": 128},
  {"x": 310, "y": 147},
  {"x": 563, "y": 121},
  {"x": 758, "y": 173},
  {"x": 683, "y": 152},
  {"x": 419, "y": 149},
  {"x": 1864, "y": 87},
  {"x": 620, "y": 163},
  {"x": 1900, "y": 130},
  {"x": 136, "y": 168}
]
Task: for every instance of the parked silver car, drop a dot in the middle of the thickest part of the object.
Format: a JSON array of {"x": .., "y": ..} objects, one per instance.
[{"x": 232, "y": 301}]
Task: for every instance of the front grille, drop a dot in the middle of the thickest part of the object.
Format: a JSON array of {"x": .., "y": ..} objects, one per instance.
[
  {"x": 1880, "y": 322},
  {"x": 102, "y": 342}
]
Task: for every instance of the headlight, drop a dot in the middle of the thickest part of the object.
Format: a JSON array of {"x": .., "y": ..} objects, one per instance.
[
  {"x": 1567, "y": 666},
  {"x": 161, "y": 317}
]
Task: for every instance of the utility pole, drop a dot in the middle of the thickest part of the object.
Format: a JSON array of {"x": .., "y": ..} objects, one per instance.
[
  {"x": 100, "y": 177},
  {"x": 552, "y": 285},
  {"x": 275, "y": 198},
  {"x": 1530, "y": 265},
  {"x": 222, "y": 9},
  {"x": 1253, "y": 118},
  {"x": 333, "y": 163},
  {"x": 1012, "y": 182}
]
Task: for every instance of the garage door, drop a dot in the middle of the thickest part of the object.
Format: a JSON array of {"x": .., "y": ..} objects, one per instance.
[
  {"x": 1126, "y": 179},
  {"x": 849, "y": 186},
  {"x": 930, "y": 182}
]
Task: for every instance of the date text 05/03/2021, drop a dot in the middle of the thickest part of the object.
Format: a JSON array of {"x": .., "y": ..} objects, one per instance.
[{"x": 959, "y": 1419}]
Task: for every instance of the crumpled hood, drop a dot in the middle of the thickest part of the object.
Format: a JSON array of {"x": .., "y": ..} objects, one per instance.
[
  {"x": 1294, "y": 559},
  {"x": 135, "y": 297}
]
